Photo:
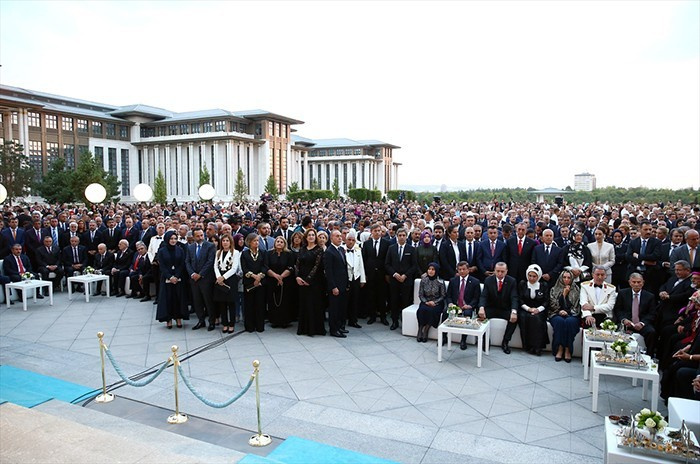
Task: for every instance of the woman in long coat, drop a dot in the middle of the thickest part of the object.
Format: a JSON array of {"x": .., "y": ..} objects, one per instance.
[{"x": 171, "y": 300}]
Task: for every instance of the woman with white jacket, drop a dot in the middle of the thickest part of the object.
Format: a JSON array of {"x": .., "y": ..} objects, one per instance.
[
  {"x": 227, "y": 269},
  {"x": 602, "y": 253}
]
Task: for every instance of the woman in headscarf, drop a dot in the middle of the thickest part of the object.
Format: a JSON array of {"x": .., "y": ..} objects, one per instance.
[
  {"x": 172, "y": 303},
  {"x": 564, "y": 315},
  {"x": 577, "y": 258},
  {"x": 432, "y": 295},
  {"x": 532, "y": 314},
  {"x": 425, "y": 253}
]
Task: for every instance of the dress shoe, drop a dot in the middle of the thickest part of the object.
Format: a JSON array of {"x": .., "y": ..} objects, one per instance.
[
  {"x": 557, "y": 359},
  {"x": 463, "y": 343},
  {"x": 199, "y": 325},
  {"x": 355, "y": 325},
  {"x": 538, "y": 352},
  {"x": 505, "y": 348},
  {"x": 120, "y": 294},
  {"x": 211, "y": 327},
  {"x": 394, "y": 325},
  {"x": 568, "y": 360},
  {"x": 343, "y": 331},
  {"x": 384, "y": 321},
  {"x": 145, "y": 298},
  {"x": 96, "y": 294},
  {"x": 130, "y": 296},
  {"x": 179, "y": 326},
  {"x": 169, "y": 326},
  {"x": 371, "y": 320},
  {"x": 40, "y": 296},
  {"x": 338, "y": 335}
]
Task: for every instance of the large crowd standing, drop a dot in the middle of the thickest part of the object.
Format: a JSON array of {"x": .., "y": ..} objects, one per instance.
[{"x": 329, "y": 265}]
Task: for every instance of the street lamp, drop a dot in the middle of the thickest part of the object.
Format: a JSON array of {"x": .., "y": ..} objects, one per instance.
[
  {"x": 206, "y": 192},
  {"x": 95, "y": 193},
  {"x": 143, "y": 192}
]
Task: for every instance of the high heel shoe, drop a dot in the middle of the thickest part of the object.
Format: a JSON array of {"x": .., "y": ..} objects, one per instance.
[{"x": 169, "y": 325}]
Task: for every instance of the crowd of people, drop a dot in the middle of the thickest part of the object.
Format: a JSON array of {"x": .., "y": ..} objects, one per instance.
[{"x": 282, "y": 262}]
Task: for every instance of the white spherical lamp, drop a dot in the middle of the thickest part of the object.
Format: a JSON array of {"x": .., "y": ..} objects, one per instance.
[
  {"x": 95, "y": 193},
  {"x": 143, "y": 192},
  {"x": 3, "y": 193},
  {"x": 206, "y": 192}
]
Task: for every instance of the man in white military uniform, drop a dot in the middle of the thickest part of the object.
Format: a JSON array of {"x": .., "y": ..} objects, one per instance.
[{"x": 597, "y": 298}]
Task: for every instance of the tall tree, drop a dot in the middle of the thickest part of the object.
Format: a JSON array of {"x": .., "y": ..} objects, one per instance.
[
  {"x": 204, "y": 176},
  {"x": 336, "y": 189},
  {"x": 240, "y": 189},
  {"x": 160, "y": 192},
  {"x": 271, "y": 187},
  {"x": 15, "y": 173},
  {"x": 55, "y": 186},
  {"x": 293, "y": 187},
  {"x": 87, "y": 172}
]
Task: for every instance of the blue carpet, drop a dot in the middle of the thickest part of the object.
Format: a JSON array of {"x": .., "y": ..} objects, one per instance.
[
  {"x": 295, "y": 450},
  {"x": 30, "y": 389}
]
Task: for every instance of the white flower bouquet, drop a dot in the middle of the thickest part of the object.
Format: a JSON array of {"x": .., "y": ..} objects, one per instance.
[
  {"x": 619, "y": 347},
  {"x": 27, "y": 276},
  {"x": 652, "y": 420},
  {"x": 608, "y": 324}
]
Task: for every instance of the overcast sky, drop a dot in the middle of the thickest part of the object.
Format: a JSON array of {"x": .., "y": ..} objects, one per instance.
[{"x": 491, "y": 94}]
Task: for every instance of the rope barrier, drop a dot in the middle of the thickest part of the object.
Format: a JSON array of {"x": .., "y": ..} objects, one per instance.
[
  {"x": 212, "y": 403},
  {"x": 127, "y": 379}
]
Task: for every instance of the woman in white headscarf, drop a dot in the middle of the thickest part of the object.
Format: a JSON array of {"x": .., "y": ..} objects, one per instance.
[{"x": 532, "y": 315}]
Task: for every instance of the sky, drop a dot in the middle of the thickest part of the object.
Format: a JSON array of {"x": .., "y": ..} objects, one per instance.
[{"x": 476, "y": 94}]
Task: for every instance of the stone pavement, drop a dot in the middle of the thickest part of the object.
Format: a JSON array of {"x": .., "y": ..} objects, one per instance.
[{"x": 376, "y": 392}]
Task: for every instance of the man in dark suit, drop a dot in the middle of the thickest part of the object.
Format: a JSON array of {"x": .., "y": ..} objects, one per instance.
[
  {"x": 644, "y": 257},
  {"x": 499, "y": 300},
  {"x": 111, "y": 236},
  {"x": 90, "y": 239},
  {"x": 284, "y": 231},
  {"x": 547, "y": 256},
  {"x": 14, "y": 234},
  {"x": 337, "y": 284},
  {"x": 146, "y": 232},
  {"x": 400, "y": 266},
  {"x": 16, "y": 264},
  {"x": 491, "y": 251},
  {"x": 66, "y": 235},
  {"x": 673, "y": 295},
  {"x": 675, "y": 241},
  {"x": 130, "y": 232},
  {"x": 690, "y": 248},
  {"x": 49, "y": 262},
  {"x": 374, "y": 251},
  {"x": 519, "y": 252},
  {"x": 464, "y": 291},
  {"x": 74, "y": 258},
  {"x": 139, "y": 272},
  {"x": 563, "y": 239},
  {"x": 451, "y": 252},
  {"x": 634, "y": 309},
  {"x": 103, "y": 262},
  {"x": 120, "y": 269},
  {"x": 33, "y": 241},
  {"x": 200, "y": 267}
]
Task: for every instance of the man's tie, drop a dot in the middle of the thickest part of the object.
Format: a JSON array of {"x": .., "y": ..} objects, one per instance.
[
  {"x": 136, "y": 265},
  {"x": 376, "y": 247},
  {"x": 635, "y": 307},
  {"x": 673, "y": 247},
  {"x": 14, "y": 234},
  {"x": 500, "y": 285},
  {"x": 54, "y": 235},
  {"x": 111, "y": 233},
  {"x": 691, "y": 254},
  {"x": 198, "y": 248},
  {"x": 20, "y": 266},
  {"x": 38, "y": 235},
  {"x": 469, "y": 254},
  {"x": 460, "y": 299},
  {"x": 520, "y": 246},
  {"x": 341, "y": 250},
  {"x": 75, "y": 256},
  {"x": 546, "y": 250},
  {"x": 493, "y": 249},
  {"x": 400, "y": 252},
  {"x": 644, "y": 247}
]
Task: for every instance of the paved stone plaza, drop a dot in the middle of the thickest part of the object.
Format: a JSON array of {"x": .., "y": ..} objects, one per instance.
[{"x": 376, "y": 392}]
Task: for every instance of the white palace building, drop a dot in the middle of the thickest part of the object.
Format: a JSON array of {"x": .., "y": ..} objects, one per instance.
[{"x": 134, "y": 142}]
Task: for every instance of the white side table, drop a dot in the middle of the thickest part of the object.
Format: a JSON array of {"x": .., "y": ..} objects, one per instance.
[
  {"x": 26, "y": 286},
  {"x": 646, "y": 375},
  {"x": 484, "y": 329},
  {"x": 681, "y": 409},
  {"x": 589, "y": 344},
  {"x": 86, "y": 280}
]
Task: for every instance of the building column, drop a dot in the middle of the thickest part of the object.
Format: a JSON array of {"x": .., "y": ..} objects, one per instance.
[
  {"x": 215, "y": 169},
  {"x": 22, "y": 129},
  {"x": 7, "y": 126},
  {"x": 190, "y": 171},
  {"x": 307, "y": 178},
  {"x": 230, "y": 172},
  {"x": 168, "y": 170},
  {"x": 179, "y": 180}
]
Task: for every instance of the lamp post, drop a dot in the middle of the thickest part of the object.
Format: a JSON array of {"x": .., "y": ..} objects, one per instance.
[
  {"x": 143, "y": 192},
  {"x": 206, "y": 192},
  {"x": 95, "y": 193}
]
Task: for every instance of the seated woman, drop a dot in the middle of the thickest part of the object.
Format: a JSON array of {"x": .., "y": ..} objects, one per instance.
[
  {"x": 678, "y": 377},
  {"x": 432, "y": 294},
  {"x": 532, "y": 315},
  {"x": 564, "y": 315}
]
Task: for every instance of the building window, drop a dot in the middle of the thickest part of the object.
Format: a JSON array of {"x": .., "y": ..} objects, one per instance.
[
  {"x": 354, "y": 175},
  {"x": 234, "y": 126},
  {"x": 212, "y": 171},
  {"x": 206, "y": 126},
  {"x": 277, "y": 129},
  {"x": 35, "y": 158},
  {"x": 100, "y": 157},
  {"x": 96, "y": 128},
  {"x": 345, "y": 177},
  {"x": 51, "y": 152},
  {"x": 336, "y": 171},
  {"x": 196, "y": 128},
  {"x": 270, "y": 129},
  {"x": 172, "y": 129},
  {"x": 283, "y": 127},
  {"x": 51, "y": 121},
  {"x": 125, "y": 172},
  {"x": 328, "y": 176},
  {"x": 15, "y": 117},
  {"x": 363, "y": 175},
  {"x": 184, "y": 129},
  {"x": 161, "y": 131},
  {"x": 358, "y": 151},
  {"x": 123, "y": 132},
  {"x": 82, "y": 126},
  {"x": 187, "y": 168},
  {"x": 220, "y": 126},
  {"x": 83, "y": 149},
  {"x": 243, "y": 127},
  {"x": 33, "y": 119},
  {"x": 331, "y": 152},
  {"x": 148, "y": 132},
  {"x": 110, "y": 129},
  {"x": 69, "y": 155},
  {"x": 67, "y": 124},
  {"x": 318, "y": 171},
  {"x": 112, "y": 158}
]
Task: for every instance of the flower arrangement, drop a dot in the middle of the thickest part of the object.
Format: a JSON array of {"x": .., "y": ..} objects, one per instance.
[
  {"x": 652, "y": 420},
  {"x": 89, "y": 270},
  {"x": 608, "y": 324},
  {"x": 453, "y": 310},
  {"x": 620, "y": 347},
  {"x": 27, "y": 276}
]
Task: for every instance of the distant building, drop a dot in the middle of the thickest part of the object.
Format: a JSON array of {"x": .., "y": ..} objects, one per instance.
[{"x": 584, "y": 182}]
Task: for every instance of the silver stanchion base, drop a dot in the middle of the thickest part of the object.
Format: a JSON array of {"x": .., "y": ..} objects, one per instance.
[
  {"x": 104, "y": 398},
  {"x": 177, "y": 419},
  {"x": 260, "y": 440}
]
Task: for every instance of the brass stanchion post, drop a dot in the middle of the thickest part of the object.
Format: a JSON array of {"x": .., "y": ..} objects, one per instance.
[
  {"x": 176, "y": 418},
  {"x": 103, "y": 397},
  {"x": 258, "y": 439}
]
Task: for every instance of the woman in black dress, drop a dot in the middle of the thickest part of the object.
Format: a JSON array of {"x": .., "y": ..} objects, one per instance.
[
  {"x": 280, "y": 266},
  {"x": 227, "y": 267},
  {"x": 171, "y": 299},
  {"x": 425, "y": 253},
  {"x": 253, "y": 268},
  {"x": 532, "y": 314},
  {"x": 312, "y": 295},
  {"x": 619, "y": 269},
  {"x": 432, "y": 295}
]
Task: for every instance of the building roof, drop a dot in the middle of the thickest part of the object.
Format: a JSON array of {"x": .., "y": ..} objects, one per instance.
[
  {"x": 550, "y": 191},
  {"x": 342, "y": 143},
  {"x": 142, "y": 110},
  {"x": 36, "y": 95},
  {"x": 264, "y": 114},
  {"x": 298, "y": 139},
  {"x": 584, "y": 174}
]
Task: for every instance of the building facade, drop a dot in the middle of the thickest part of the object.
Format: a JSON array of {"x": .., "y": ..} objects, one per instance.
[
  {"x": 584, "y": 182},
  {"x": 135, "y": 142}
]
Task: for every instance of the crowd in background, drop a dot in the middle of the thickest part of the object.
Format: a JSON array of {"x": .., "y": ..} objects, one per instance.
[{"x": 329, "y": 265}]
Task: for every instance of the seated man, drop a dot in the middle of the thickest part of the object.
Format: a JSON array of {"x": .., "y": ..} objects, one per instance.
[
  {"x": 104, "y": 261},
  {"x": 16, "y": 264},
  {"x": 49, "y": 261},
  {"x": 139, "y": 272},
  {"x": 464, "y": 291},
  {"x": 597, "y": 298},
  {"x": 635, "y": 311},
  {"x": 74, "y": 259},
  {"x": 499, "y": 300},
  {"x": 120, "y": 269}
]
